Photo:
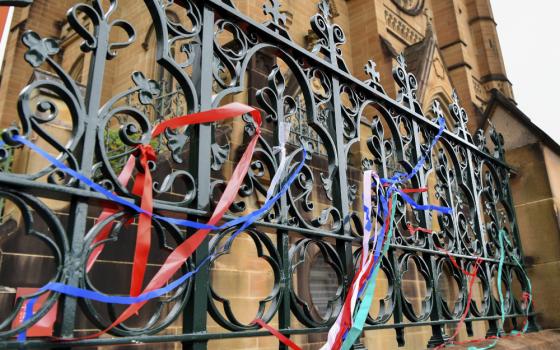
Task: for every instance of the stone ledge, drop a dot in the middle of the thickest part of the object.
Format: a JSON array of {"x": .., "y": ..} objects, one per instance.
[{"x": 549, "y": 339}]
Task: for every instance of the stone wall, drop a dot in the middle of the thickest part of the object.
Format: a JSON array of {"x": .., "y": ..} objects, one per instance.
[{"x": 535, "y": 191}]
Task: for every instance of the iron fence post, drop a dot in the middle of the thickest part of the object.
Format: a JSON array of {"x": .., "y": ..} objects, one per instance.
[
  {"x": 195, "y": 316},
  {"x": 438, "y": 331},
  {"x": 340, "y": 187},
  {"x": 77, "y": 226}
]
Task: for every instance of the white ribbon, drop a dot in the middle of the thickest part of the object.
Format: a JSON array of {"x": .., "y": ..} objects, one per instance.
[
  {"x": 283, "y": 133},
  {"x": 367, "y": 254}
]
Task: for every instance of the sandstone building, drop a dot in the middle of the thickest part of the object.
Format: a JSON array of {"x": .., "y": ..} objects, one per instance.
[{"x": 449, "y": 45}]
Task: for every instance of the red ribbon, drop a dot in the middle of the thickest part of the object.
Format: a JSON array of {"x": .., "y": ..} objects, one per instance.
[
  {"x": 526, "y": 297},
  {"x": 415, "y": 190},
  {"x": 413, "y": 230},
  {"x": 124, "y": 177},
  {"x": 472, "y": 274},
  {"x": 143, "y": 188},
  {"x": 285, "y": 340},
  {"x": 346, "y": 321}
]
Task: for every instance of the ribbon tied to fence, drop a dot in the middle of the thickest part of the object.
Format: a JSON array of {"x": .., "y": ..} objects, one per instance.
[{"x": 351, "y": 320}]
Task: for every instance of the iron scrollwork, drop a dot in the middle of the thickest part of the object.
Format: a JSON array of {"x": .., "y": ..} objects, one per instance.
[{"x": 206, "y": 55}]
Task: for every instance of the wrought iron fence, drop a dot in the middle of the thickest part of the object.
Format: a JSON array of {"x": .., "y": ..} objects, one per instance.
[{"x": 353, "y": 124}]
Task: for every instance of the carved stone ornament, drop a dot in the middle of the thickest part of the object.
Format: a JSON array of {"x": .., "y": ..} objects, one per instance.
[{"x": 410, "y": 7}]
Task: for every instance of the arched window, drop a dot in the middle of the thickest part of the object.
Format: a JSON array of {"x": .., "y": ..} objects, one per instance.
[
  {"x": 159, "y": 74},
  {"x": 170, "y": 101}
]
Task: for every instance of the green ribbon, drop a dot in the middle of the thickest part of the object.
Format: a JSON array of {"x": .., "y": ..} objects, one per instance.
[
  {"x": 500, "y": 271},
  {"x": 363, "y": 310}
]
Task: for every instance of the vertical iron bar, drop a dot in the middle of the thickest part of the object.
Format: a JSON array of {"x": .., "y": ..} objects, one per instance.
[
  {"x": 496, "y": 327},
  {"x": 340, "y": 183},
  {"x": 284, "y": 313},
  {"x": 438, "y": 331},
  {"x": 479, "y": 222},
  {"x": 398, "y": 311},
  {"x": 77, "y": 225},
  {"x": 340, "y": 186},
  {"x": 195, "y": 316},
  {"x": 392, "y": 257},
  {"x": 283, "y": 236},
  {"x": 480, "y": 229}
]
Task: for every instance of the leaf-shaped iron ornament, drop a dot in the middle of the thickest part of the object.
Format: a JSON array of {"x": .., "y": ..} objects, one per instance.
[
  {"x": 272, "y": 97},
  {"x": 408, "y": 85},
  {"x": 176, "y": 142},
  {"x": 279, "y": 18},
  {"x": 498, "y": 141},
  {"x": 374, "y": 77},
  {"x": 148, "y": 88},
  {"x": 39, "y": 49},
  {"x": 460, "y": 118},
  {"x": 103, "y": 27},
  {"x": 220, "y": 154},
  {"x": 331, "y": 36}
]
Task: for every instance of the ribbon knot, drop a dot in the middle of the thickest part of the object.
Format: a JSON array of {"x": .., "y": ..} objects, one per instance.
[
  {"x": 527, "y": 300},
  {"x": 147, "y": 151},
  {"x": 143, "y": 189},
  {"x": 143, "y": 183}
]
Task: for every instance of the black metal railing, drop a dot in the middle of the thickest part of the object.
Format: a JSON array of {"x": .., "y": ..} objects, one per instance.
[{"x": 319, "y": 217}]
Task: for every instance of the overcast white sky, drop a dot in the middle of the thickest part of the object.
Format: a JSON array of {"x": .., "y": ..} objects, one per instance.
[{"x": 528, "y": 33}]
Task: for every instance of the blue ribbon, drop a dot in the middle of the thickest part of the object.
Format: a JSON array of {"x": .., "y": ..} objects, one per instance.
[
  {"x": 416, "y": 206},
  {"x": 28, "y": 314},
  {"x": 400, "y": 177},
  {"x": 117, "y": 199},
  {"x": 267, "y": 205},
  {"x": 368, "y": 224},
  {"x": 111, "y": 196},
  {"x": 376, "y": 257},
  {"x": 128, "y": 300},
  {"x": 109, "y": 299},
  {"x": 246, "y": 221}
]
